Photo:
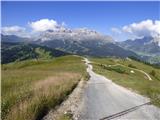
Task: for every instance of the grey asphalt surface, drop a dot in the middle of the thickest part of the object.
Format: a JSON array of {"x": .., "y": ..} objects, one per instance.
[{"x": 104, "y": 99}]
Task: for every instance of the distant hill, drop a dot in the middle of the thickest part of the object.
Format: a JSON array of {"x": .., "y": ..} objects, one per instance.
[{"x": 11, "y": 52}]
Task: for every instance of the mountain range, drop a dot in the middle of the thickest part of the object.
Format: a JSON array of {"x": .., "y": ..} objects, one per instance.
[
  {"x": 91, "y": 43},
  {"x": 145, "y": 45}
]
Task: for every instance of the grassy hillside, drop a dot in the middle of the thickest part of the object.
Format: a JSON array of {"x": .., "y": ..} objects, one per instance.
[
  {"x": 22, "y": 51},
  {"x": 31, "y": 88},
  {"x": 126, "y": 72}
]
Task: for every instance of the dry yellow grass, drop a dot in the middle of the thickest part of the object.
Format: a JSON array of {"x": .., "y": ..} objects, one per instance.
[
  {"x": 44, "y": 88},
  {"x": 55, "y": 80}
]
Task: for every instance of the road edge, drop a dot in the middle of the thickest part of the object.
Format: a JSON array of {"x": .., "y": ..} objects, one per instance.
[{"x": 70, "y": 105}]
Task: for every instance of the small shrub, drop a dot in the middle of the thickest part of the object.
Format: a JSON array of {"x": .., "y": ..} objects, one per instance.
[
  {"x": 119, "y": 70},
  {"x": 108, "y": 68},
  {"x": 132, "y": 66},
  {"x": 66, "y": 116},
  {"x": 153, "y": 73},
  {"x": 154, "y": 95}
]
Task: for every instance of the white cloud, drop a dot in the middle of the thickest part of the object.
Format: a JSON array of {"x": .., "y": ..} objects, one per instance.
[
  {"x": 43, "y": 25},
  {"x": 143, "y": 28},
  {"x": 64, "y": 24},
  {"x": 116, "y": 30},
  {"x": 14, "y": 30},
  {"x": 138, "y": 30}
]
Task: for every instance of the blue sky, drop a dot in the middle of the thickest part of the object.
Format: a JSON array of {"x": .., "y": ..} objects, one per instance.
[{"x": 100, "y": 16}]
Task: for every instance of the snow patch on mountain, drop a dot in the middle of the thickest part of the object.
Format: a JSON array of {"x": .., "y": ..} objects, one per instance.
[
  {"x": 81, "y": 34},
  {"x": 157, "y": 40}
]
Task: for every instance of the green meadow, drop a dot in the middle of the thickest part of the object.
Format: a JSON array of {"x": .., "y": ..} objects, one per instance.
[{"x": 31, "y": 88}]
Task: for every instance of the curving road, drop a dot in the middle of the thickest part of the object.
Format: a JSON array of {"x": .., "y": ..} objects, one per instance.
[
  {"x": 147, "y": 75},
  {"x": 103, "y": 99}
]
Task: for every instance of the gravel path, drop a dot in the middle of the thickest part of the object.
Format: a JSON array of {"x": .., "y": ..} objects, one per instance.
[{"x": 147, "y": 75}]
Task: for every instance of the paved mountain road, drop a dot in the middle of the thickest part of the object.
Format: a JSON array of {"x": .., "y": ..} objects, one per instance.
[{"x": 104, "y": 99}]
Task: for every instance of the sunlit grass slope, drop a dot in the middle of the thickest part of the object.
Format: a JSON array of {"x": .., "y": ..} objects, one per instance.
[
  {"x": 119, "y": 70},
  {"x": 31, "y": 88}
]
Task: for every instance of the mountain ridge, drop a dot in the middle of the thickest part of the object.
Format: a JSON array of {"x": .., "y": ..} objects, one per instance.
[
  {"x": 92, "y": 43},
  {"x": 11, "y": 52},
  {"x": 146, "y": 45}
]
